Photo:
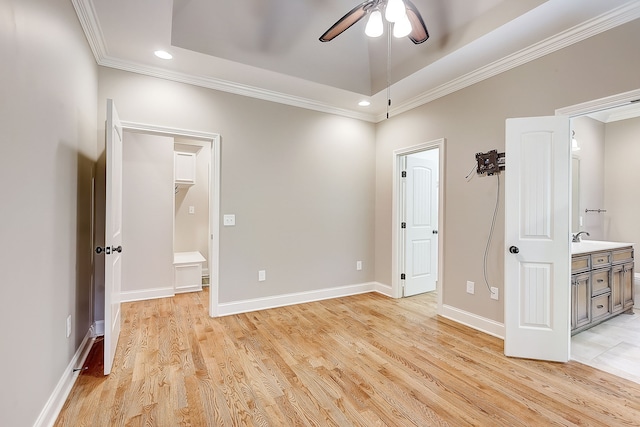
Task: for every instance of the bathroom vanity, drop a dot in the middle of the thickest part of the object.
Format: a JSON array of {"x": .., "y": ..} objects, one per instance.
[{"x": 601, "y": 282}]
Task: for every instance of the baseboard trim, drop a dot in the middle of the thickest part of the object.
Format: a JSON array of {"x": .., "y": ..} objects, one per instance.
[
  {"x": 383, "y": 289},
  {"x": 185, "y": 289},
  {"x": 52, "y": 408},
  {"x": 245, "y": 306},
  {"x": 130, "y": 296},
  {"x": 474, "y": 321},
  {"x": 98, "y": 328}
]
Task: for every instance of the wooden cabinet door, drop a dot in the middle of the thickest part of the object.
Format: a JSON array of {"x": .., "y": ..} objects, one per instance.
[
  {"x": 617, "y": 279},
  {"x": 627, "y": 286},
  {"x": 581, "y": 304}
]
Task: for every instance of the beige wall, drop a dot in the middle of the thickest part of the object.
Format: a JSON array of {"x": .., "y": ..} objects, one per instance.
[
  {"x": 48, "y": 98},
  {"x": 301, "y": 183},
  {"x": 147, "y": 214},
  {"x": 192, "y": 230},
  {"x": 622, "y": 181},
  {"x": 591, "y": 139},
  {"x": 473, "y": 120}
]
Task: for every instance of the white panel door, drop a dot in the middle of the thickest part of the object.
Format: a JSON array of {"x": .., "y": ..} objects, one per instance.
[
  {"x": 537, "y": 238},
  {"x": 113, "y": 235},
  {"x": 421, "y": 233}
]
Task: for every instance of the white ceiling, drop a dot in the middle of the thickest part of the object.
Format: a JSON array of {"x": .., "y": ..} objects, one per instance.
[{"x": 269, "y": 49}]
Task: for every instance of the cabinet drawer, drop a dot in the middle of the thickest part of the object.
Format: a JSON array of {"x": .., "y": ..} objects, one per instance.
[
  {"x": 621, "y": 256},
  {"x": 600, "y": 306},
  {"x": 579, "y": 263},
  {"x": 600, "y": 281},
  {"x": 600, "y": 259}
]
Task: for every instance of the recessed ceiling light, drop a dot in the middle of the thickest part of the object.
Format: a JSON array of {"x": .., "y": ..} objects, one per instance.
[
  {"x": 364, "y": 103},
  {"x": 163, "y": 54}
]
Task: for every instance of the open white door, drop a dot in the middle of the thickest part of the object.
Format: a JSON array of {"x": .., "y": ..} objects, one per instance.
[
  {"x": 537, "y": 238},
  {"x": 113, "y": 235},
  {"x": 421, "y": 220}
]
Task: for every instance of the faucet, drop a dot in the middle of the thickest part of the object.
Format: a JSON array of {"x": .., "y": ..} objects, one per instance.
[{"x": 576, "y": 237}]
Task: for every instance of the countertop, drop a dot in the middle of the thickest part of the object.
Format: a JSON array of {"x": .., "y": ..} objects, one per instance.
[{"x": 587, "y": 246}]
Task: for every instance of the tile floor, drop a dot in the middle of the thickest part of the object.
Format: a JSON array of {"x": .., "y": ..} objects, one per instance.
[{"x": 612, "y": 346}]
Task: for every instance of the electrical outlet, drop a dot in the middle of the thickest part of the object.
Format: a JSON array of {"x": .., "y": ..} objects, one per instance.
[
  {"x": 229, "y": 220},
  {"x": 68, "y": 326},
  {"x": 358, "y": 265},
  {"x": 471, "y": 287},
  {"x": 192, "y": 210},
  {"x": 262, "y": 275},
  {"x": 494, "y": 293}
]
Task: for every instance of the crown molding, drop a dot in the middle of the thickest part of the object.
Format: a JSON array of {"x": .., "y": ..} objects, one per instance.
[
  {"x": 231, "y": 87},
  {"x": 621, "y": 15},
  {"x": 91, "y": 27}
]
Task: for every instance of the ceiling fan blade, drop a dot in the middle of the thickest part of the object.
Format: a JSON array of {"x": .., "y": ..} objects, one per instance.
[
  {"x": 419, "y": 33},
  {"x": 356, "y": 14}
]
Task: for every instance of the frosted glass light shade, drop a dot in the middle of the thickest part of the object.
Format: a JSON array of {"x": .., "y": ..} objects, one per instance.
[
  {"x": 395, "y": 10},
  {"x": 374, "y": 27},
  {"x": 163, "y": 54},
  {"x": 402, "y": 27}
]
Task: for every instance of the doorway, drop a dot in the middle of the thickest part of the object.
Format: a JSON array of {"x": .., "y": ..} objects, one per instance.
[
  {"x": 418, "y": 215},
  {"x": 561, "y": 260},
  {"x": 213, "y": 177},
  {"x": 605, "y": 148}
]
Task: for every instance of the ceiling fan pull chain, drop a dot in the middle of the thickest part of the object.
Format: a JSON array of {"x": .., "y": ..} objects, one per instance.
[{"x": 388, "y": 68}]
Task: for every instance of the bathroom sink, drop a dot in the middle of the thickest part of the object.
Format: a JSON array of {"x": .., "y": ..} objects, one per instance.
[{"x": 595, "y": 246}]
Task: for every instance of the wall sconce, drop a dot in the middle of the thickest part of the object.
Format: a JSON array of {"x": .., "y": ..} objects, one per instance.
[{"x": 574, "y": 142}]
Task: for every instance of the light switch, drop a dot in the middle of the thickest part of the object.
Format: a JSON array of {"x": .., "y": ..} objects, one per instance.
[
  {"x": 192, "y": 210},
  {"x": 229, "y": 220}
]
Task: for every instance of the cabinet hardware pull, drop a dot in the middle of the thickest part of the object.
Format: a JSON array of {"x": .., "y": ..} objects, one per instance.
[
  {"x": 600, "y": 306},
  {"x": 600, "y": 280}
]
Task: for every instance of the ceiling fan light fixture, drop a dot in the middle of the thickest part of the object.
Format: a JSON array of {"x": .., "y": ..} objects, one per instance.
[
  {"x": 395, "y": 11},
  {"x": 402, "y": 28},
  {"x": 374, "y": 27}
]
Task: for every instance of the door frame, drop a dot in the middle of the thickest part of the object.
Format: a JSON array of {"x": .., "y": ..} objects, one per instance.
[
  {"x": 214, "y": 197},
  {"x": 606, "y": 103},
  {"x": 613, "y": 101},
  {"x": 397, "y": 241}
]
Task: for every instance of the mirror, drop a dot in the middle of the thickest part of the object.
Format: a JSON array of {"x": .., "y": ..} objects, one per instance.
[{"x": 575, "y": 194}]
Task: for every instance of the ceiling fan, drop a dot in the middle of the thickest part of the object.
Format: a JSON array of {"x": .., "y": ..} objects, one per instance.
[{"x": 402, "y": 13}]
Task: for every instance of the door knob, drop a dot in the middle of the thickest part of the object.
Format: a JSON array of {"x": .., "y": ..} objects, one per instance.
[
  {"x": 514, "y": 249},
  {"x": 434, "y": 232},
  {"x": 118, "y": 249}
]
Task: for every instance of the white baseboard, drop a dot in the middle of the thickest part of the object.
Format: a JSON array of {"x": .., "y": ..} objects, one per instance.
[
  {"x": 383, "y": 289},
  {"x": 98, "y": 328},
  {"x": 183, "y": 289},
  {"x": 59, "y": 396},
  {"x": 245, "y": 306},
  {"x": 130, "y": 296},
  {"x": 474, "y": 321}
]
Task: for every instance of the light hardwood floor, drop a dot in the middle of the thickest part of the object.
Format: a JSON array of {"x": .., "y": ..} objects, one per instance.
[{"x": 365, "y": 360}]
